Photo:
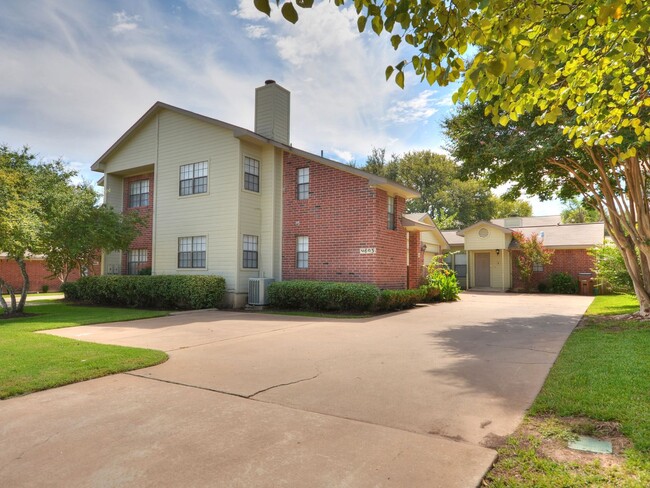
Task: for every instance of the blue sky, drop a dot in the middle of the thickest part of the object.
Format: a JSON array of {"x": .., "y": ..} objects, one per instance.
[{"x": 76, "y": 75}]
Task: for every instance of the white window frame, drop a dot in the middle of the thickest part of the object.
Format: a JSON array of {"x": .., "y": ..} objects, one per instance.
[
  {"x": 302, "y": 252},
  {"x": 252, "y": 167},
  {"x": 193, "y": 172},
  {"x": 391, "y": 213},
  {"x": 135, "y": 257},
  {"x": 197, "y": 245},
  {"x": 141, "y": 195},
  {"x": 302, "y": 183},
  {"x": 250, "y": 244}
]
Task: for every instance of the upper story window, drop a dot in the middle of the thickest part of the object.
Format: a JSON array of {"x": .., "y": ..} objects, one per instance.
[
  {"x": 194, "y": 178},
  {"x": 391, "y": 213},
  {"x": 251, "y": 174},
  {"x": 191, "y": 252},
  {"x": 302, "y": 252},
  {"x": 250, "y": 251},
  {"x": 139, "y": 194},
  {"x": 538, "y": 268},
  {"x": 136, "y": 260},
  {"x": 302, "y": 179}
]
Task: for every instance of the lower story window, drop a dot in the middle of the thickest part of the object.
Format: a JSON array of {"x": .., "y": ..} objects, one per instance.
[
  {"x": 136, "y": 260},
  {"x": 191, "y": 252},
  {"x": 250, "y": 251},
  {"x": 302, "y": 252}
]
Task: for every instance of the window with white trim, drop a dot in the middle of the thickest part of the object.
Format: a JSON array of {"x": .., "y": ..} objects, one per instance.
[
  {"x": 251, "y": 174},
  {"x": 391, "y": 213},
  {"x": 538, "y": 267},
  {"x": 302, "y": 179},
  {"x": 250, "y": 251},
  {"x": 302, "y": 252},
  {"x": 191, "y": 252},
  {"x": 136, "y": 260},
  {"x": 193, "y": 178},
  {"x": 139, "y": 194}
]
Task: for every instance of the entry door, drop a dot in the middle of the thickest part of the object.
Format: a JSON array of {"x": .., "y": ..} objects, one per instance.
[{"x": 482, "y": 269}]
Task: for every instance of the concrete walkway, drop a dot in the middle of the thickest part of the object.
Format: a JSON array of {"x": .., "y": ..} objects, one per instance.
[{"x": 409, "y": 399}]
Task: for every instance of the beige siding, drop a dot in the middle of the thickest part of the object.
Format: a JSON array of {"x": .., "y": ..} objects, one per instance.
[
  {"x": 250, "y": 215},
  {"x": 496, "y": 239},
  {"x": 433, "y": 246},
  {"x": 499, "y": 269},
  {"x": 113, "y": 197},
  {"x": 272, "y": 112},
  {"x": 184, "y": 140},
  {"x": 260, "y": 215},
  {"x": 139, "y": 150}
]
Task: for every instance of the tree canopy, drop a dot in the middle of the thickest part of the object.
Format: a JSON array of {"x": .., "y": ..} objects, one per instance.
[
  {"x": 575, "y": 211},
  {"x": 452, "y": 201},
  {"x": 43, "y": 212},
  {"x": 585, "y": 57}
]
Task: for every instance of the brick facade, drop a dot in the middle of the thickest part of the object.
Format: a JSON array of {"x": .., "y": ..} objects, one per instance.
[
  {"x": 342, "y": 215},
  {"x": 144, "y": 240},
  {"x": 572, "y": 261},
  {"x": 416, "y": 260},
  {"x": 38, "y": 275}
]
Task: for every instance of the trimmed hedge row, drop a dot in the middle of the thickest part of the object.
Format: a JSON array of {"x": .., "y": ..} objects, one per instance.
[
  {"x": 339, "y": 297},
  {"x": 162, "y": 291},
  {"x": 322, "y": 295}
]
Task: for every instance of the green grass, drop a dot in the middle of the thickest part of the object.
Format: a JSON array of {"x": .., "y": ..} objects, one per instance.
[
  {"x": 602, "y": 373},
  {"x": 613, "y": 305},
  {"x": 31, "y": 362}
]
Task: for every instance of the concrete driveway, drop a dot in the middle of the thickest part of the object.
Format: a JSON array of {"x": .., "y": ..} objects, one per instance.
[{"x": 409, "y": 399}]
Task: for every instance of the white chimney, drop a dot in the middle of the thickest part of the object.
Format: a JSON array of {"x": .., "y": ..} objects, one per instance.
[{"x": 272, "y": 106}]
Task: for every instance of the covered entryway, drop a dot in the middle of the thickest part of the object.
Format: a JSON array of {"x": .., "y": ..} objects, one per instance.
[{"x": 482, "y": 269}]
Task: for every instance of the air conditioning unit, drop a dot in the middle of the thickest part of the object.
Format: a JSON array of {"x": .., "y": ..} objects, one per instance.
[{"x": 257, "y": 290}]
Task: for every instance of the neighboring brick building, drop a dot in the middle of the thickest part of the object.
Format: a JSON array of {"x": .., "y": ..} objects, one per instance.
[
  {"x": 39, "y": 275},
  {"x": 492, "y": 252},
  {"x": 220, "y": 199}
]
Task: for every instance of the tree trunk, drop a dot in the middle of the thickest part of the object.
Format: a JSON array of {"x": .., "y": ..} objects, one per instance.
[
  {"x": 3, "y": 302},
  {"x": 23, "y": 293}
]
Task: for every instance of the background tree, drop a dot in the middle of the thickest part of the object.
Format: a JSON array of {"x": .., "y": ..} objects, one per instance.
[
  {"x": 540, "y": 159},
  {"x": 609, "y": 267},
  {"x": 453, "y": 202},
  {"x": 78, "y": 231},
  {"x": 36, "y": 200},
  {"x": 531, "y": 253},
  {"x": 575, "y": 211}
]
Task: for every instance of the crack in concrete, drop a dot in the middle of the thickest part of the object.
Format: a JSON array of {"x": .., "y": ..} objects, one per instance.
[
  {"x": 284, "y": 384},
  {"x": 239, "y": 395},
  {"x": 522, "y": 348},
  {"x": 20, "y": 456}
]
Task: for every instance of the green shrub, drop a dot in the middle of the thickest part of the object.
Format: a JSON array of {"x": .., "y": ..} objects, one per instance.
[
  {"x": 163, "y": 291},
  {"x": 400, "y": 299},
  {"x": 442, "y": 278},
  {"x": 430, "y": 294},
  {"x": 145, "y": 272},
  {"x": 45, "y": 288},
  {"x": 609, "y": 267},
  {"x": 564, "y": 283},
  {"x": 542, "y": 287},
  {"x": 322, "y": 295}
]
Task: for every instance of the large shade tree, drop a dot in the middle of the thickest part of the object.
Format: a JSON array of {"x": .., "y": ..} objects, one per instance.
[
  {"x": 43, "y": 212},
  {"x": 576, "y": 67},
  {"x": 452, "y": 201}
]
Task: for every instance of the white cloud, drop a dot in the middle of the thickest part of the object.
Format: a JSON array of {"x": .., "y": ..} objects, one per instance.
[
  {"x": 342, "y": 155},
  {"x": 124, "y": 23},
  {"x": 257, "y": 31},
  {"x": 246, "y": 10},
  {"x": 416, "y": 109}
]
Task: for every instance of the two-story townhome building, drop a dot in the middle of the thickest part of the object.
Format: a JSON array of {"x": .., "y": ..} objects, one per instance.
[{"x": 223, "y": 200}]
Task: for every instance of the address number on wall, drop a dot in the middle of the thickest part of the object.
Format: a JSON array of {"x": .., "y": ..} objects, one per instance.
[{"x": 367, "y": 250}]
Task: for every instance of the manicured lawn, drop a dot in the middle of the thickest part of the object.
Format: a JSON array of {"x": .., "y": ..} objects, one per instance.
[
  {"x": 602, "y": 374},
  {"x": 31, "y": 362}
]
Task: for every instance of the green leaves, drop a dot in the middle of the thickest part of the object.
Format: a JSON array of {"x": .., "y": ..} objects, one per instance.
[
  {"x": 263, "y": 6},
  {"x": 289, "y": 12}
]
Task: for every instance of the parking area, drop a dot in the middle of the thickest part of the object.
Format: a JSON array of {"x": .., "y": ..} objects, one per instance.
[{"x": 415, "y": 398}]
